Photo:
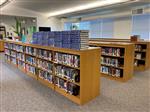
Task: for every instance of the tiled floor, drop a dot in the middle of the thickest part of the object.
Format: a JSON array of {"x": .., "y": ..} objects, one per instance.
[{"x": 20, "y": 93}]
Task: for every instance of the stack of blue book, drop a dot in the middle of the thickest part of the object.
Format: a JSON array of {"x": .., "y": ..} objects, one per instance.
[
  {"x": 77, "y": 39},
  {"x": 34, "y": 38},
  {"x": 66, "y": 39},
  {"x": 45, "y": 38},
  {"x": 51, "y": 41},
  {"x": 58, "y": 38}
]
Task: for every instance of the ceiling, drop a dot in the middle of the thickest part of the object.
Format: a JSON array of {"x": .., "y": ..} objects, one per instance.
[{"x": 47, "y": 6}]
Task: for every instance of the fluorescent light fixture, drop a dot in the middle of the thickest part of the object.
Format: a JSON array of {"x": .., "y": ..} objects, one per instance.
[
  {"x": 87, "y": 6},
  {"x": 4, "y": 2}
]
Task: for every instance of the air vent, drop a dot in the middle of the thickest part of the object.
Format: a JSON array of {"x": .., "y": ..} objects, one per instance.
[{"x": 138, "y": 11}]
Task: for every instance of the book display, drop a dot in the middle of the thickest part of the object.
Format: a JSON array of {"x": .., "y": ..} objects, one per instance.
[
  {"x": 63, "y": 70},
  {"x": 116, "y": 60},
  {"x": 63, "y": 39}
]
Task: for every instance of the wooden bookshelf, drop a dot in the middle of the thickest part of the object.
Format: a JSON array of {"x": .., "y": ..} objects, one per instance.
[
  {"x": 145, "y": 60},
  {"x": 116, "y": 67},
  {"x": 88, "y": 70},
  {"x": 1, "y": 45}
]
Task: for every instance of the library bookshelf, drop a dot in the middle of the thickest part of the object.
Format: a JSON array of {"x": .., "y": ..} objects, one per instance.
[
  {"x": 72, "y": 73},
  {"x": 1, "y": 45},
  {"x": 142, "y": 51},
  {"x": 142, "y": 56},
  {"x": 116, "y": 60}
]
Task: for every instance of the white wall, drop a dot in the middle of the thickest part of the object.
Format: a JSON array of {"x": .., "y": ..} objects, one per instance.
[
  {"x": 122, "y": 28},
  {"x": 42, "y": 20}
]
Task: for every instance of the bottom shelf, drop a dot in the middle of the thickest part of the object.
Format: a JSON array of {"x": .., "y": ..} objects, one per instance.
[
  {"x": 45, "y": 82},
  {"x": 113, "y": 78},
  {"x": 22, "y": 69},
  {"x": 139, "y": 68},
  {"x": 75, "y": 99},
  {"x": 32, "y": 75}
]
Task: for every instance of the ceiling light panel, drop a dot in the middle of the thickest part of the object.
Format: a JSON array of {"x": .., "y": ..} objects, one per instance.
[{"x": 87, "y": 6}]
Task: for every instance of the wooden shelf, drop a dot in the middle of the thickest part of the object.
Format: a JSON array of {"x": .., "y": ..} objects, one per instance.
[
  {"x": 30, "y": 64},
  {"x": 69, "y": 96},
  {"x": 66, "y": 65},
  {"x": 1, "y": 46},
  {"x": 127, "y": 58},
  {"x": 146, "y": 50},
  {"x": 44, "y": 59},
  {"x": 112, "y": 56},
  {"x": 78, "y": 84},
  {"x": 46, "y": 82},
  {"x": 120, "y": 79},
  {"x": 32, "y": 75},
  {"x": 140, "y": 59},
  {"x": 44, "y": 70},
  {"x": 88, "y": 70},
  {"x": 21, "y": 69},
  {"x": 111, "y": 66}
]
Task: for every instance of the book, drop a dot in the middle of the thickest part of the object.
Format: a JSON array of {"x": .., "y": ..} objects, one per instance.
[{"x": 67, "y": 59}]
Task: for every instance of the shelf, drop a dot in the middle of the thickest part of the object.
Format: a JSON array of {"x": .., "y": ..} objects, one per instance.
[
  {"x": 44, "y": 59},
  {"x": 67, "y": 65},
  {"x": 32, "y": 75},
  {"x": 20, "y": 60},
  {"x": 78, "y": 84},
  {"x": 90, "y": 84},
  {"x": 112, "y": 77},
  {"x": 46, "y": 82},
  {"x": 112, "y": 56},
  {"x": 69, "y": 96},
  {"x": 30, "y": 64},
  {"x": 21, "y": 69},
  {"x": 20, "y": 52},
  {"x": 44, "y": 70},
  {"x": 140, "y": 51},
  {"x": 30, "y": 55},
  {"x": 112, "y": 66},
  {"x": 140, "y": 59}
]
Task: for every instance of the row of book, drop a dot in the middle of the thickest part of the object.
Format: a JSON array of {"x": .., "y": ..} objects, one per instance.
[
  {"x": 67, "y": 59},
  {"x": 65, "y": 39},
  {"x": 67, "y": 86},
  {"x": 31, "y": 69},
  {"x": 21, "y": 64},
  {"x": 110, "y": 61},
  {"x": 140, "y": 47},
  {"x": 8, "y": 58},
  {"x": 45, "y": 54},
  {"x": 31, "y": 60},
  {"x": 45, "y": 65},
  {"x": 31, "y": 50},
  {"x": 67, "y": 73},
  {"x": 7, "y": 51},
  {"x": 13, "y": 60},
  {"x": 46, "y": 75},
  {"x": 13, "y": 54},
  {"x": 21, "y": 56},
  {"x": 112, "y": 51},
  {"x": 111, "y": 71}
]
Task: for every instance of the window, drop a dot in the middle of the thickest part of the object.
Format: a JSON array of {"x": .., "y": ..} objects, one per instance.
[{"x": 141, "y": 26}]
